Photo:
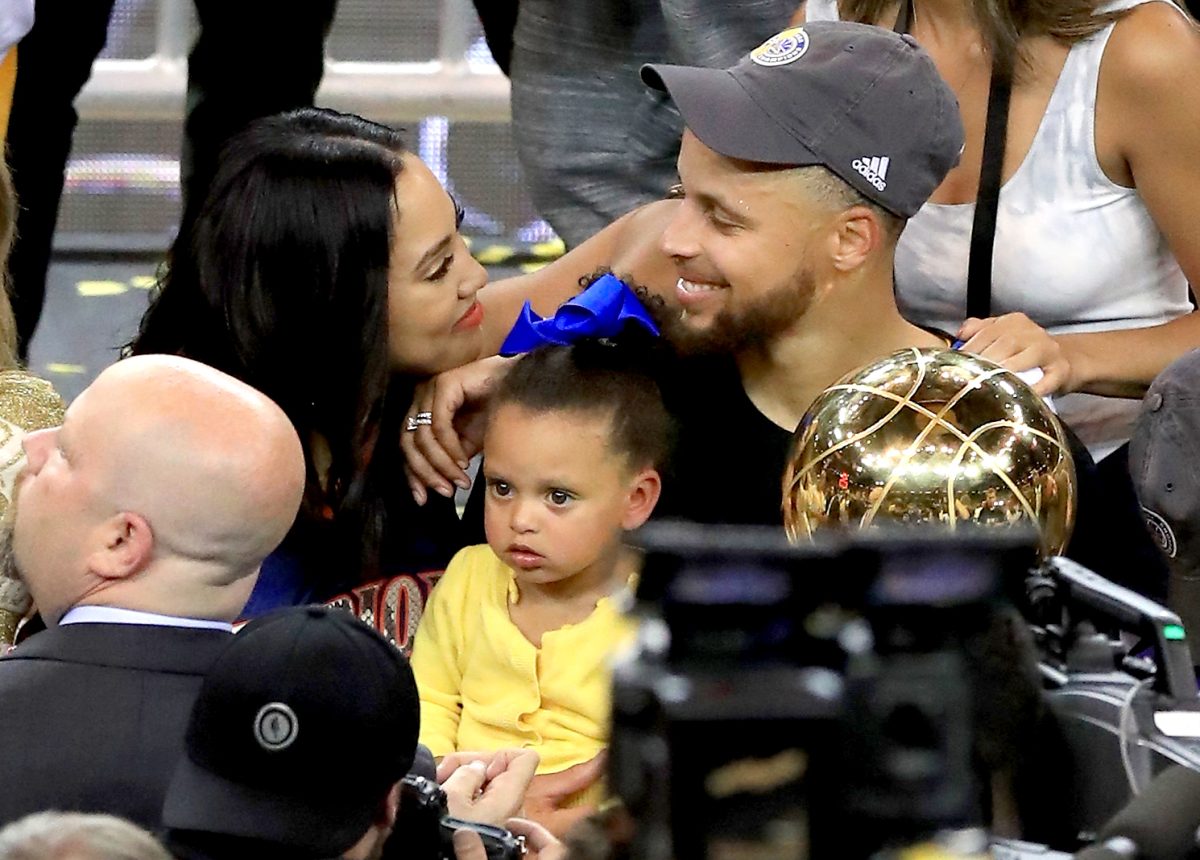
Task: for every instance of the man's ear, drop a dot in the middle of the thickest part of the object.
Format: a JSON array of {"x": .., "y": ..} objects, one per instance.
[
  {"x": 385, "y": 815},
  {"x": 127, "y": 544},
  {"x": 644, "y": 489},
  {"x": 857, "y": 233}
]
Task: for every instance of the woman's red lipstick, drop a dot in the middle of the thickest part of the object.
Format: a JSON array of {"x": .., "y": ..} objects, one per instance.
[{"x": 473, "y": 318}]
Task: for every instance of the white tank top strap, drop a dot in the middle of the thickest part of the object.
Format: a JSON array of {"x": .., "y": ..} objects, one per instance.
[
  {"x": 821, "y": 10},
  {"x": 1077, "y": 89},
  {"x": 1068, "y": 127},
  {"x": 1122, "y": 5}
]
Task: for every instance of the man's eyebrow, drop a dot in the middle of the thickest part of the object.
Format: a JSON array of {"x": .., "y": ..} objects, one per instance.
[
  {"x": 434, "y": 252},
  {"x": 712, "y": 201}
]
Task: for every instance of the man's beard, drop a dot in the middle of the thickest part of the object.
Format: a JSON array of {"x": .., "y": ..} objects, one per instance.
[{"x": 732, "y": 332}]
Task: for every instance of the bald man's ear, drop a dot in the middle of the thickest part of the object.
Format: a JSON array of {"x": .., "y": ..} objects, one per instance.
[{"x": 127, "y": 544}]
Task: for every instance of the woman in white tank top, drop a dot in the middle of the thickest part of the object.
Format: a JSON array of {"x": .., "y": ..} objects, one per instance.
[{"x": 1096, "y": 229}]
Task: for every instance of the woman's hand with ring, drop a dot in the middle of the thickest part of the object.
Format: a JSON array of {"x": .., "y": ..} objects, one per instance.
[
  {"x": 421, "y": 419},
  {"x": 445, "y": 424}
]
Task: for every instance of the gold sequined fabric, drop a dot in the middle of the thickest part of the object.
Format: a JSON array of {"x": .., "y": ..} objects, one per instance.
[
  {"x": 927, "y": 436},
  {"x": 8, "y": 628},
  {"x": 27, "y": 403}
]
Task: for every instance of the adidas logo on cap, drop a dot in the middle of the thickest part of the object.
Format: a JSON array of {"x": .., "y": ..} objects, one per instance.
[{"x": 874, "y": 169}]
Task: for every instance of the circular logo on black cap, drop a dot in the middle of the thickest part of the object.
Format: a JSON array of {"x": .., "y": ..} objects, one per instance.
[
  {"x": 1161, "y": 532},
  {"x": 782, "y": 48},
  {"x": 275, "y": 726}
]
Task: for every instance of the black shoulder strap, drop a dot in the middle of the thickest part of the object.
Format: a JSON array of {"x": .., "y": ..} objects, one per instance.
[
  {"x": 987, "y": 199},
  {"x": 983, "y": 229}
]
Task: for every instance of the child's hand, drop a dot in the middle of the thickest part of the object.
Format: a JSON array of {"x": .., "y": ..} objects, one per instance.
[
  {"x": 544, "y": 802},
  {"x": 487, "y": 787}
]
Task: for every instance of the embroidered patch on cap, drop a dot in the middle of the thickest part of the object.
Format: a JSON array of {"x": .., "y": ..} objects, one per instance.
[
  {"x": 782, "y": 48},
  {"x": 275, "y": 726},
  {"x": 1161, "y": 532}
]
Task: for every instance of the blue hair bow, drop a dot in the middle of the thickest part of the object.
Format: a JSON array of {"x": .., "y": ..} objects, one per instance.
[{"x": 602, "y": 310}]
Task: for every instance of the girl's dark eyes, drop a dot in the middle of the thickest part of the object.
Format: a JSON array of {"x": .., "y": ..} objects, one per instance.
[
  {"x": 559, "y": 497},
  {"x": 500, "y": 488}
]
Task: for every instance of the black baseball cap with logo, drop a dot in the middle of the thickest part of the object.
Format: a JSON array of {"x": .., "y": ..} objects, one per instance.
[
  {"x": 301, "y": 727},
  {"x": 862, "y": 101}
]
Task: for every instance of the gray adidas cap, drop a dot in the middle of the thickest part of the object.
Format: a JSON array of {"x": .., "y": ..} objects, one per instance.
[{"x": 862, "y": 101}]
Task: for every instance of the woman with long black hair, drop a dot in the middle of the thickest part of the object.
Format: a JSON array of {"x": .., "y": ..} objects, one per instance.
[{"x": 325, "y": 268}]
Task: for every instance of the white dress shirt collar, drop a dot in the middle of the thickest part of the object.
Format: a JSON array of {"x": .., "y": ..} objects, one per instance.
[{"x": 115, "y": 615}]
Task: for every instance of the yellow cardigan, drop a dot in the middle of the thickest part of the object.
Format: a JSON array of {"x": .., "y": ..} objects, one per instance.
[{"x": 484, "y": 686}]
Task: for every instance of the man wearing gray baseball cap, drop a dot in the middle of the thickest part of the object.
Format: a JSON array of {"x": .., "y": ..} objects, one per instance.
[
  {"x": 773, "y": 273},
  {"x": 799, "y": 168}
]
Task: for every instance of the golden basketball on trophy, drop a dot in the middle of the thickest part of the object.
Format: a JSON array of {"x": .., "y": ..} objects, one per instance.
[{"x": 929, "y": 436}]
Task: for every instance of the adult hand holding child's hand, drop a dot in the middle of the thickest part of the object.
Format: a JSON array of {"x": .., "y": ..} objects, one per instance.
[
  {"x": 487, "y": 787},
  {"x": 548, "y": 793}
]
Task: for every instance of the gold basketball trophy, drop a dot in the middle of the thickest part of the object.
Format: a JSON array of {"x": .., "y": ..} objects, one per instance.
[{"x": 930, "y": 437}]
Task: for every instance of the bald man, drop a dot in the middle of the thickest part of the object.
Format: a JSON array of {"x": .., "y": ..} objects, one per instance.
[{"x": 139, "y": 528}]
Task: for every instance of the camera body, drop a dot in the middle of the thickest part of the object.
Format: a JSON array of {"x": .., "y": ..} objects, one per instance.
[
  {"x": 802, "y": 701},
  {"x": 428, "y": 828}
]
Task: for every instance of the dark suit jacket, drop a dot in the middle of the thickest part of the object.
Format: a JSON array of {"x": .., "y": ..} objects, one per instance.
[{"x": 92, "y": 717}]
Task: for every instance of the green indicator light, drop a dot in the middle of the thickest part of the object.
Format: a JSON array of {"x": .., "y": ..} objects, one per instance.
[{"x": 1173, "y": 631}]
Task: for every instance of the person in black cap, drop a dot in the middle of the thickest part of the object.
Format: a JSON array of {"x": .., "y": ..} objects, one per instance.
[
  {"x": 285, "y": 758},
  {"x": 1164, "y": 461}
]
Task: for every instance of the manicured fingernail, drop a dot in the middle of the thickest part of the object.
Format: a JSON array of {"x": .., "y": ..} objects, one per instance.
[
  {"x": 462, "y": 483},
  {"x": 445, "y": 490},
  {"x": 462, "y": 464}
]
